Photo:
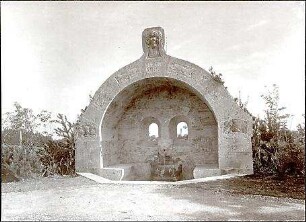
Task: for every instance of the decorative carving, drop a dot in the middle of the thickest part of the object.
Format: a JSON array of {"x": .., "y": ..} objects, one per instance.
[
  {"x": 183, "y": 70},
  {"x": 153, "y": 67},
  {"x": 122, "y": 77},
  {"x": 101, "y": 100},
  {"x": 153, "y": 40},
  {"x": 134, "y": 72},
  {"x": 235, "y": 125},
  {"x": 125, "y": 77},
  {"x": 111, "y": 83},
  {"x": 87, "y": 130}
]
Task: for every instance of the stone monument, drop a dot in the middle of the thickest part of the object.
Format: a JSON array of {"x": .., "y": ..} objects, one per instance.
[{"x": 113, "y": 134}]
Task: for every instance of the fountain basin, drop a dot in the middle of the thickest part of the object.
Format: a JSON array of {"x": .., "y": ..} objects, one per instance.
[{"x": 166, "y": 172}]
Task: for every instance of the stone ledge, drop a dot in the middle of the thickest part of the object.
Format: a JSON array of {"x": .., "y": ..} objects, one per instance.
[
  {"x": 209, "y": 170},
  {"x": 117, "y": 172}
]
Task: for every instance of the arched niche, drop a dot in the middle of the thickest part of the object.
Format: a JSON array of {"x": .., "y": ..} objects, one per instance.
[{"x": 166, "y": 102}]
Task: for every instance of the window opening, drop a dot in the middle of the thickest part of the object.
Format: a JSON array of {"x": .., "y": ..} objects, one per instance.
[
  {"x": 153, "y": 130},
  {"x": 182, "y": 130}
]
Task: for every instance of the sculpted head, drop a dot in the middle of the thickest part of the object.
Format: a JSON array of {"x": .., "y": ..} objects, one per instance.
[{"x": 153, "y": 40}]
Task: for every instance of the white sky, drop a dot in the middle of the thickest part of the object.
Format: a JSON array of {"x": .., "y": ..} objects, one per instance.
[{"x": 54, "y": 54}]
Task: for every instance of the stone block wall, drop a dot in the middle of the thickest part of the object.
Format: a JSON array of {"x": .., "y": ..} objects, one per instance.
[{"x": 163, "y": 105}]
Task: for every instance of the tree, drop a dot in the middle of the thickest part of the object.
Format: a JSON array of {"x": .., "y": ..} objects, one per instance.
[
  {"x": 23, "y": 123},
  {"x": 21, "y": 140},
  {"x": 301, "y": 133},
  {"x": 20, "y": 119},
  {"x": 276, "y": 121},
  {"x": 274, "y": 147},
  {"x": 58, "y": 157},
  {"x": 65, "y": 129}
]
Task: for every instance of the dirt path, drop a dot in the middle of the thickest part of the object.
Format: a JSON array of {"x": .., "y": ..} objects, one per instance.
[{"x": 82, "y": 199}]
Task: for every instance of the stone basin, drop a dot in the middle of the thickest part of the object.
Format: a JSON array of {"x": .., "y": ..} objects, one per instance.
[{"x": 167, "y": 172}]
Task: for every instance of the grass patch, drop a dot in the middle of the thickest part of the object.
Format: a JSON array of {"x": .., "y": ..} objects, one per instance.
[{"x": 288, "y": 186}]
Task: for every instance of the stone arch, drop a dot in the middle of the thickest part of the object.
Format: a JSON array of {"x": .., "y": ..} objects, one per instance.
[
  {"x": 111, "y": 87},
  {"x": 200, "y": 82},
  {"x": 234, "y": 146}
]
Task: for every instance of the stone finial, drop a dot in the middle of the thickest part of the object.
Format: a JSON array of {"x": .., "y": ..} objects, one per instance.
[{"x": 153, "y": 41}]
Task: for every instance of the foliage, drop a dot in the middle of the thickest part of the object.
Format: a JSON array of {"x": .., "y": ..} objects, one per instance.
[
  {"x": 21, "y": 161},
  {"x": 21, "y": 141},
  {"x": 27, "y": 123},
  {"x": 35, "y": 153},
  {"x": 25, "y": 119},
  {"x": 242, "y": 105},
  {"x": 300, "y": 137},
  {"x": 216, "y": 77},
  {"x": 12, "y": 137},
  {"x": 58, "y": 157},
  {"x": 274, "y": 119},
  {"x": 276, "y": 149},
  {"x": 66, "y": 128}
]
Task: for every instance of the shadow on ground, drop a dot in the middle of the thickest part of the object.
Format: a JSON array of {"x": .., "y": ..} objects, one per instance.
[{"x": 216, "y": 202}]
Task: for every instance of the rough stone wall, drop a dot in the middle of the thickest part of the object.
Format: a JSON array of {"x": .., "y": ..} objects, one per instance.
[{"x": 165, "y": 104}]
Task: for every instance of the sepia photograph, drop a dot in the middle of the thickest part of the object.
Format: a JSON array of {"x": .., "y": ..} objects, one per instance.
[{"x": 152, "y": 111}]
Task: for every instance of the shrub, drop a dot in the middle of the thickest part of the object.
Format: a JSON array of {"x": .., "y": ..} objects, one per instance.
[
  {"x": 58, "y": 157},
  {"x": 291, "y": 158},
  {"x": 27, "y": 153},
  {"x": 276, "y": 149},
  {"x": 20, "y": 161}
]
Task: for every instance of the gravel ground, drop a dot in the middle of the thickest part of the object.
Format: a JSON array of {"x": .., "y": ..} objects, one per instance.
[{"x": 79, "y": 198}]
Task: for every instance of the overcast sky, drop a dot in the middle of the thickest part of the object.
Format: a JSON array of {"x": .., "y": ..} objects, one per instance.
[{"x": 54, "y": 54}]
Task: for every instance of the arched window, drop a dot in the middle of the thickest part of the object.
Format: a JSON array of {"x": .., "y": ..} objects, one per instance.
[
  {"x": 182, "y": 130},
  {"x": 153, "y": 130}
]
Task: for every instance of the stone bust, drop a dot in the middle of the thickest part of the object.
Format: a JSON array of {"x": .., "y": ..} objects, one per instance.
[{"x": 153, "y": 42}]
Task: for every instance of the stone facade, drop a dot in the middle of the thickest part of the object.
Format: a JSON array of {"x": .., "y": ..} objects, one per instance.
[{"x": 113, "y": 140}]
